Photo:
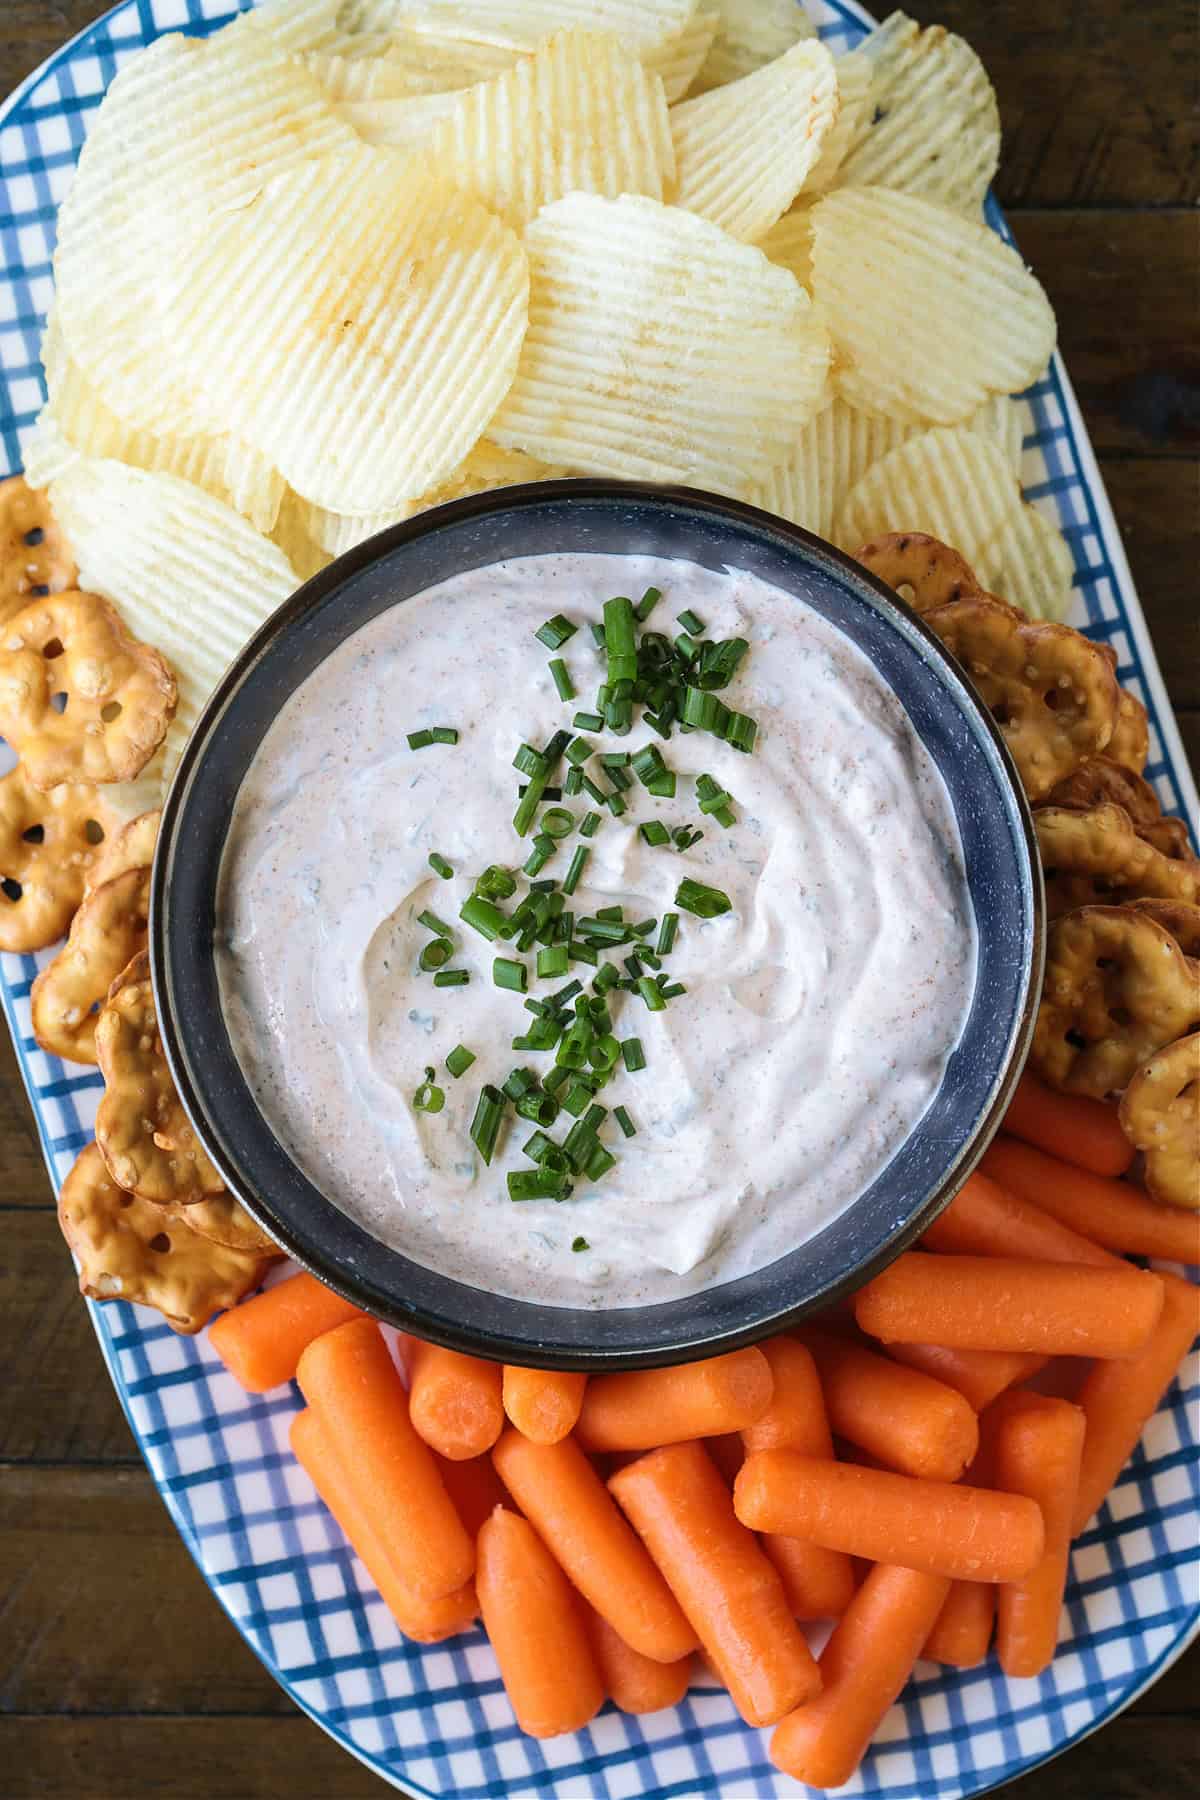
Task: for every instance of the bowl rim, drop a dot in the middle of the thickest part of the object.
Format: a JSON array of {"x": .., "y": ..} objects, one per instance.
[{"x": 459, "y": 1333}]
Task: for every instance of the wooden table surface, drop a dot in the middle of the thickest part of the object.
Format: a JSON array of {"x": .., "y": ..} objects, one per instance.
[{"x": 120, "y": 1678}]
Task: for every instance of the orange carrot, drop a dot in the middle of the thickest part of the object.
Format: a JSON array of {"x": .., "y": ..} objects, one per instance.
[
  {"x": 962, "y": 1631},
  {"x": 731, "y": 1595},
  {"x": 351, "y": 1383},
  {"x": 261, "y": 1340},
  {"x": 634, "y": 1682},
  {"x": 908, "y": 1420},
  {"x": 1084, "y": 1132},
  {"x": 1119, "y": 1398},
  {"x": 648, "y": 1407},
  {"x": 543, "y": 1404},
  {"x": 474, "y": 1487},
  {"x": 1005, "y": 1303},
  {"x": 728, "y": 1454},
  {"x": 561, "y": 1494},
  {"x": 537, "y": 1627},
  {"x": 454, "y": 1400},
  {"x": 942, "y": 1527},
  {"x": 818, "y": 1583},
  {"x": 984, "y": 1219},
  {"x": 1038, "y": 1445},
  {"x": 978, "y": 1375},
  {"x": 1113, "y": 1213},
  {"x": 864, "y": 1666},
  {"x": 428, "y": 1621}
]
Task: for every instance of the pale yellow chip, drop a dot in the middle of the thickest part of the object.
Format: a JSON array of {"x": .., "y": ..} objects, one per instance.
[
  {"x": 831, "y": 453},
  {"x": 407, "y": 124},
  {"x": 853, "y": 73},
  {"x": 188, "y": 129},
  {"x": 1002, "y": 418},
  {"x": 579, "y": 116},
  {"x": 678, "y": 60},
  {"x": 487, "y": 467},
  {"x": 744, "y": 151},
  {"x": 410, "y": 63},
  {"x": 188, "y": 574},
  {"x": 292, "y": 25},
  {"x": 947, "y": 482},
  {"x": 522, "y": 25},
  {"x": 932, "y": 126},
  {"x": 1029, "y": 563},
  {"x": 750, "y": 33},
  {"x": 659, "y": 347},
  {"x": 359, "y": 323},
  {"x": 293, "y": 535},
  {"x": 789, "y": 242},
  {"x": 929, "y": 312}
]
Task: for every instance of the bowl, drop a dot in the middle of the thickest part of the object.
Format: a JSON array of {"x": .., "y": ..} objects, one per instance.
[{"x": 622, "y": 517}]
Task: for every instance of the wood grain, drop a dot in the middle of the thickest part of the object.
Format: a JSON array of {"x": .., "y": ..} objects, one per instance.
[{"x": 120, "y": 1677}]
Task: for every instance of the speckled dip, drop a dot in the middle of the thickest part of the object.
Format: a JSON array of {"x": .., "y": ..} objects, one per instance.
[{"x": 620, "y": 518}]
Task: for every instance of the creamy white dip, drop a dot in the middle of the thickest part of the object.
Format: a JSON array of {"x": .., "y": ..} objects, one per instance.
[{"x": 819, "y": 1012}]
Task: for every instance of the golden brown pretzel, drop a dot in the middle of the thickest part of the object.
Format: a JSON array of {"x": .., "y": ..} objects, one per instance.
[
  {"x": 923, "y": 570},
  {"x": 1093, "y": 856},
  {"x": 34, "y": 555},
  {"x": 1160, "y": 1115},
  {"x": 49, "y": 843},
  {"x": 106, "y": 933}
]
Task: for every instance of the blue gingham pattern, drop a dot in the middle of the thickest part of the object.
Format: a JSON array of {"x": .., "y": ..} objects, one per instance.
[{"x": 435, "y": 1720}]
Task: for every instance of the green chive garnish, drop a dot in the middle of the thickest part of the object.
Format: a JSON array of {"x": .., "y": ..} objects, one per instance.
[
  {"x": 615, "y": 804},
  {"x": 666, "y": 935},
  {"x": 655, "y": 832},
  {"x": 557, "y": 822},
  {"x": 435, "y": 954},
  {"x": 714, "y": 800},
  {"x": 429, "y": 1098},
  {"x": 562, "y": 679},
  {"x": 624, "y": 1121},
  {"x": 537, "y": 1184},
  {"x": 440, "y": 866},
  {"x": 543, "y": 849},
  {"x": 555, "y": 632},
  {"x": 573, "y": 784},
  {"x": 578, "y": 861},
  {"x": 599, "y": 1163},
  {"x": 647, "y": 604},
  {"x": 580, "y": 1243},
  {"x": 706, "y": 902},
  {"x": 588, "y": 721},
  {"x": 590, "y": 821},
  {"x": 509, "y": 974},
  {"x": 444, "y": 734},
  {"x": 496, "y": 883},
  {"x": 651, "y": 994},
  {"x": 482, "y": 916},
  {"x": 552, "y": 961},
  {"x": 431, "y": 922},
  {"x": 632, "y": 1054},
  {"x": 420, "y": 740},
  {"x": 452, "y": 978},
  {"x": 485, "y": 1126},
  {"x": 690, "y": 623},
  {"x": 459, "y": 1060}
]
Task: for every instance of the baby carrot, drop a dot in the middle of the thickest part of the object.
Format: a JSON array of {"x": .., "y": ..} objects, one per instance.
[
  {"x": 984, "y": 1219},
  {"x": 942, "y": 1527},
  {"x": 427, "y": 1621},
  {"x": 536, "y": 1624},
  {"x": 1119, "y": 1397},
  {"x": 963, "y": 1629},
  {"x": 1038, "y": 1445},
  {"x": 1084, "y": 1132},
  {"x": 978, "y": 1375},
  {"x": 562, "y": 1496},
  {"x": 1113, "y": 1213},
  {"x": 454, "y": 1400},
  {"x": 1006, "y": 1303},
  {"x": 863, "y": 1668},
  {"x": 260, "y": 1341},
  {"x": 474, "y": 1487},
  {"x": 634, "y": 1682},
  {"x": 644, "y": 1408},
  {"x": 727, "y": 1453},
  {"x": 350, "y": 1381},
  {"x": 543, "y": 1404},
  {"x": 818, "y": 1582},
  {"x": 908, "y": 1420},
  {"x": 731, "y": 1595}
]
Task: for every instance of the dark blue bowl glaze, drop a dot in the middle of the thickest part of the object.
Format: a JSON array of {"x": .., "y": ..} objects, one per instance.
[{"x": 621, "y": 517}]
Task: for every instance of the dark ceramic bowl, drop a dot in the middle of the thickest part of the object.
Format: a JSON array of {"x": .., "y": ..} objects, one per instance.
[{"x": 628, "y": 517}]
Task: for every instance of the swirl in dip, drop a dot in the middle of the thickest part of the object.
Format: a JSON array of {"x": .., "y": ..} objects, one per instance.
[{"x": 819, "y": 1011}]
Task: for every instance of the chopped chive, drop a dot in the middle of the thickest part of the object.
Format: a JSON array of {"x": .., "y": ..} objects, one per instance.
[
  {"x": 557, "y": 822},
  {"x": 673, "y": 989},
  {"x": 579, "y": 1143},
  {"x": 595, "y": 1117},
  {"x": 420, "y": 740},
  {"x": 571, "y": 881},
  {"x": 632, "y": 1055},
  {"x": 624, "y": 1121},
  {"x": 578, "y": 751},
  {"x": 517, "y": 1083},
  {"x": 645, "y": 929},
  {"x": 599, "y": 1163},
  {"x": 714, "y": 800},
  {"x": 552, "y": 961},
  {"x": 690, "y": 622},
  {"x": 428, "y": 1097},
  {"x": 654, "y": 832},
  {"x": 609, "y": 931},
  {"x": 554, "y": 1079},
  {"x": 577, "y": 1098},
  {"x": 485, "y": 1126},
  {"x": 483, "y": 916},
  {"x": 651, "y": 994},
  {"x": 634, "y": 968},
  {"x": 605, "y": 977},
  {"x": 616, "y": 759},
  {"x": 590, "y": 821},
  {"x": 573, "y": 784},
  {"x": 597, "y": 793},
  {"x": 547, "y": 793},
  {"x": 555, "y": 632},
  {"x": 444, "y": 734},
  {"x": 604, "y": 1053},
  {"x": 719, "y": 662},
  {"x": 537, "y": 1184},
  {"x": 431, "y": 922},
  {"x": 647, "y": 604},
  {"x": 496, "y": 883},
  {"x": 538, "y": 1107},
  {"x": 543, "y": 849},
  {"x": 562, "y": 679},
  {"x": 440, "y": 866},
  {"x": 615, "y": 804},
  {"x": 588, "y": 721},
  {"x": 555, "y": 748},
  {"x": 529, "y": 761},
  {"x": 451, "y": 978},
  {"x": 706, "y": 902},
  {"x": 584, "y": 953},
  {"x": 687, "y": 647},
  {"x": 598, "y": 637},
  {"x": 666, "y": 935},
  {"x": 459, "y": 1060},
  {"x": 580, "y": 1243},
  {"x": 435, "y": 954},
  {"x": 536, "y": 1147},
  {"x": 620, "y": 779},
  {"x": 528, "y": 804},
  {"x": 740, "y": 732},
  {"x": 648, "y": 764},
  {"x": 509, "y": 974}
]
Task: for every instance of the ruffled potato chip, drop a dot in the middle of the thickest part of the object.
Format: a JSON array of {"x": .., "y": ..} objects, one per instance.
[
  {"x": 929, "y": 312},
  {"x": 947, "y": 482},
  {"x": 678, "y": 60},
  {"x": 660, "y": 348},
  {"x": 486, "y": 468},
  {"x": 853, "y": 73},
  {"x": 750, "y": 33},
  {"x": 831, "y": 453},
  {"x": 581, "y": 115},
  {"x": 406, "y": 124},
  {"x": 521, "y": 25},
  {"x": 789, "y": 242},
  {"x": 1029, "y": 562},
  {"x": 745, "y": 151}
]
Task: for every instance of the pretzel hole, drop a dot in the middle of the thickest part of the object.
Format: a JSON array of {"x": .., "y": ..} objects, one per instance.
[
  {"x": 10, "y": 889},
  {"x": 110, "y": 710},
  {"x": 124, "y": 1199},
  {"x": 1003, "y": 715},
  {"x": 1076, "y": 1040},
  {"x": 40, "y": 589},
  {"x": 1120, "y": 1015},
  {"x": 160, "y": 1242},
  {"x": 1052, "y": 697},
  {"x": 59, "y": 702},
  {"x": 93, "y": 831},
  {"x": 35, "y": 537},
  {"x": 36, "y": 834},
  {"x": 52, "y": 649}
]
